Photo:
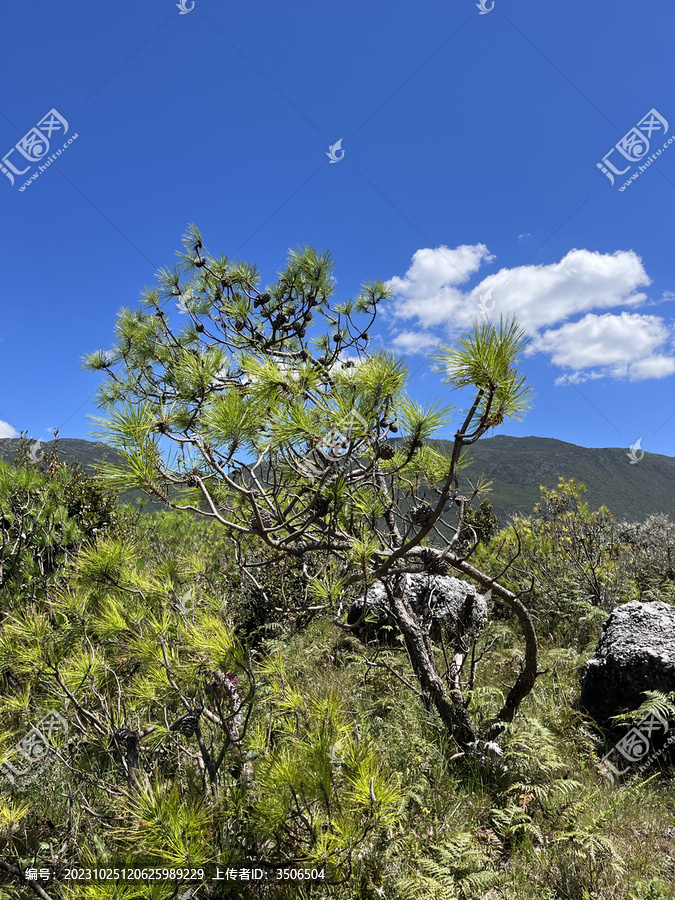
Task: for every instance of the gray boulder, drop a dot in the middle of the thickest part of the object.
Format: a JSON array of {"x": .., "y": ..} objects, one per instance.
[
  {"x": 441, "y": 601},
  {"x": 636, "y": 653}
]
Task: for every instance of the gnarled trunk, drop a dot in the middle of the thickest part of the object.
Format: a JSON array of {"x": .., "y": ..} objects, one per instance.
[{"x": 449, "y": 704}]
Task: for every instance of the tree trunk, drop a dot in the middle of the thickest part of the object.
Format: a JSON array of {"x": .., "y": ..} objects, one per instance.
[
  {"x": 525, "y": 681},
  {"x": 450, "y": 706}
]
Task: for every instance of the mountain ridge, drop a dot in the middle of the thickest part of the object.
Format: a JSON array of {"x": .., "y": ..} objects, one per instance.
[{"x": 516, "y": 466}]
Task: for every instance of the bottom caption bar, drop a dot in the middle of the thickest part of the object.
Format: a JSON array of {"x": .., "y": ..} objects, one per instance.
[{"x": 127, "y": 873}]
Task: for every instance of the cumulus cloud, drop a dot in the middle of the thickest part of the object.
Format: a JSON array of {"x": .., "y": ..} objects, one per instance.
[
  {"x": 628, "y": 345},
  {"x": 428, "y": 289},
  {"x": 553, "y": 303},
  {"x": 6, "y": 431},
  {"x": 414, "y": 341}
]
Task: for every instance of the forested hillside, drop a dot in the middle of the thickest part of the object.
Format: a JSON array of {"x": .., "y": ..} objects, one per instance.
[{"x": 516, "y": 466}]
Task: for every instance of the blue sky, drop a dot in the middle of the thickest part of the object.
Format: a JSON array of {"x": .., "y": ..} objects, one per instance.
[{"x": 471, "y": 143}]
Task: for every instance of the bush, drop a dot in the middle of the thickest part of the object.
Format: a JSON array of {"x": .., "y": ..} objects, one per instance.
[{"x": 48, "y": 510}]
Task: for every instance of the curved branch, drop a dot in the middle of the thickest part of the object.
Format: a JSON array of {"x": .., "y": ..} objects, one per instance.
[{"x": 525, "y": 681}]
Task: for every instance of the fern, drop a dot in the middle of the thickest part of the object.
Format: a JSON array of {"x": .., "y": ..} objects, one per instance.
[
  {"x": 532, "y": 752},
  {"x": 560, "y": 790},
  {"x": 656, "y": 703},
  {"x": 514, "y": 822},
  {"x": 461, "y": 871}
]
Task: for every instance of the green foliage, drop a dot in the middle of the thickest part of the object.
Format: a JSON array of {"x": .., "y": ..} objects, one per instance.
[
  {"x": 655, "y": 703},
  {"x": 214, "y": 710},
  {"x": 242, "y": 382},
  {"x": 47, "y": 511},
  {"x": 321, "y": 789},
  {"x": 653, "y": 889},
  {"x": 569, "y": 559},
  {"x": 283, "y": 440},
  {"x": 651, "y": 560},
  {"x": 318, "y": 722},
  {"x": 479, "y": 525},
  {"x": 485, "y": 359},
  {"x": 460, "y": 871}
]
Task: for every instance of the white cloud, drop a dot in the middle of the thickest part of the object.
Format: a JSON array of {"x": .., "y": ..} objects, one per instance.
[
  {"x": 414, "y": 341},
  {"x": 628, "y": 345},
  {"x": 553, "y": 304},
  {"x": 6, "y": 431},
  {"x": 606, "y": 340},
  {"x": 656, "y": 366},
  {"x": 583, "y": 280},
  {"x": 428, "y": 290}
]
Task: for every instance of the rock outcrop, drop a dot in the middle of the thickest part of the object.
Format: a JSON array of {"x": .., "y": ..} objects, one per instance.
[
  {"x": 636, "y": 653},
  {"x": 444, "y": 602}
]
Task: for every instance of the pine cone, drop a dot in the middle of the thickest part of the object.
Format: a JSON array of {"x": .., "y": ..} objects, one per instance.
[
  {"x": 321, "y": 505},
  {"x": 121, "y": 734},
  {"x": 386, "y": 451},
  {"x": 433, "y": 563},
  {"x": 266, "y": 519},
  {"x": 421, "y": 514},
  {"x": 192, "y": 481},
  {"x": 190, "y": 723}
]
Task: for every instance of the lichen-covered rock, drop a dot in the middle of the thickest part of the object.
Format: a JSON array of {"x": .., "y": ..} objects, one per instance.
[
  {"x": 636, "y": 653},
  {"x": 445, "y": 602}
]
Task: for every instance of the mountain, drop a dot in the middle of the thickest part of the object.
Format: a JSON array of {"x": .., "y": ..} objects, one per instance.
[
  {"x": 89, "y": 454},
  {"x": 516, "y": 466}
]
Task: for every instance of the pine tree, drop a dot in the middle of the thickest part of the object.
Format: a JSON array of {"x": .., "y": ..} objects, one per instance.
[{"x": 281, "y": 425}]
